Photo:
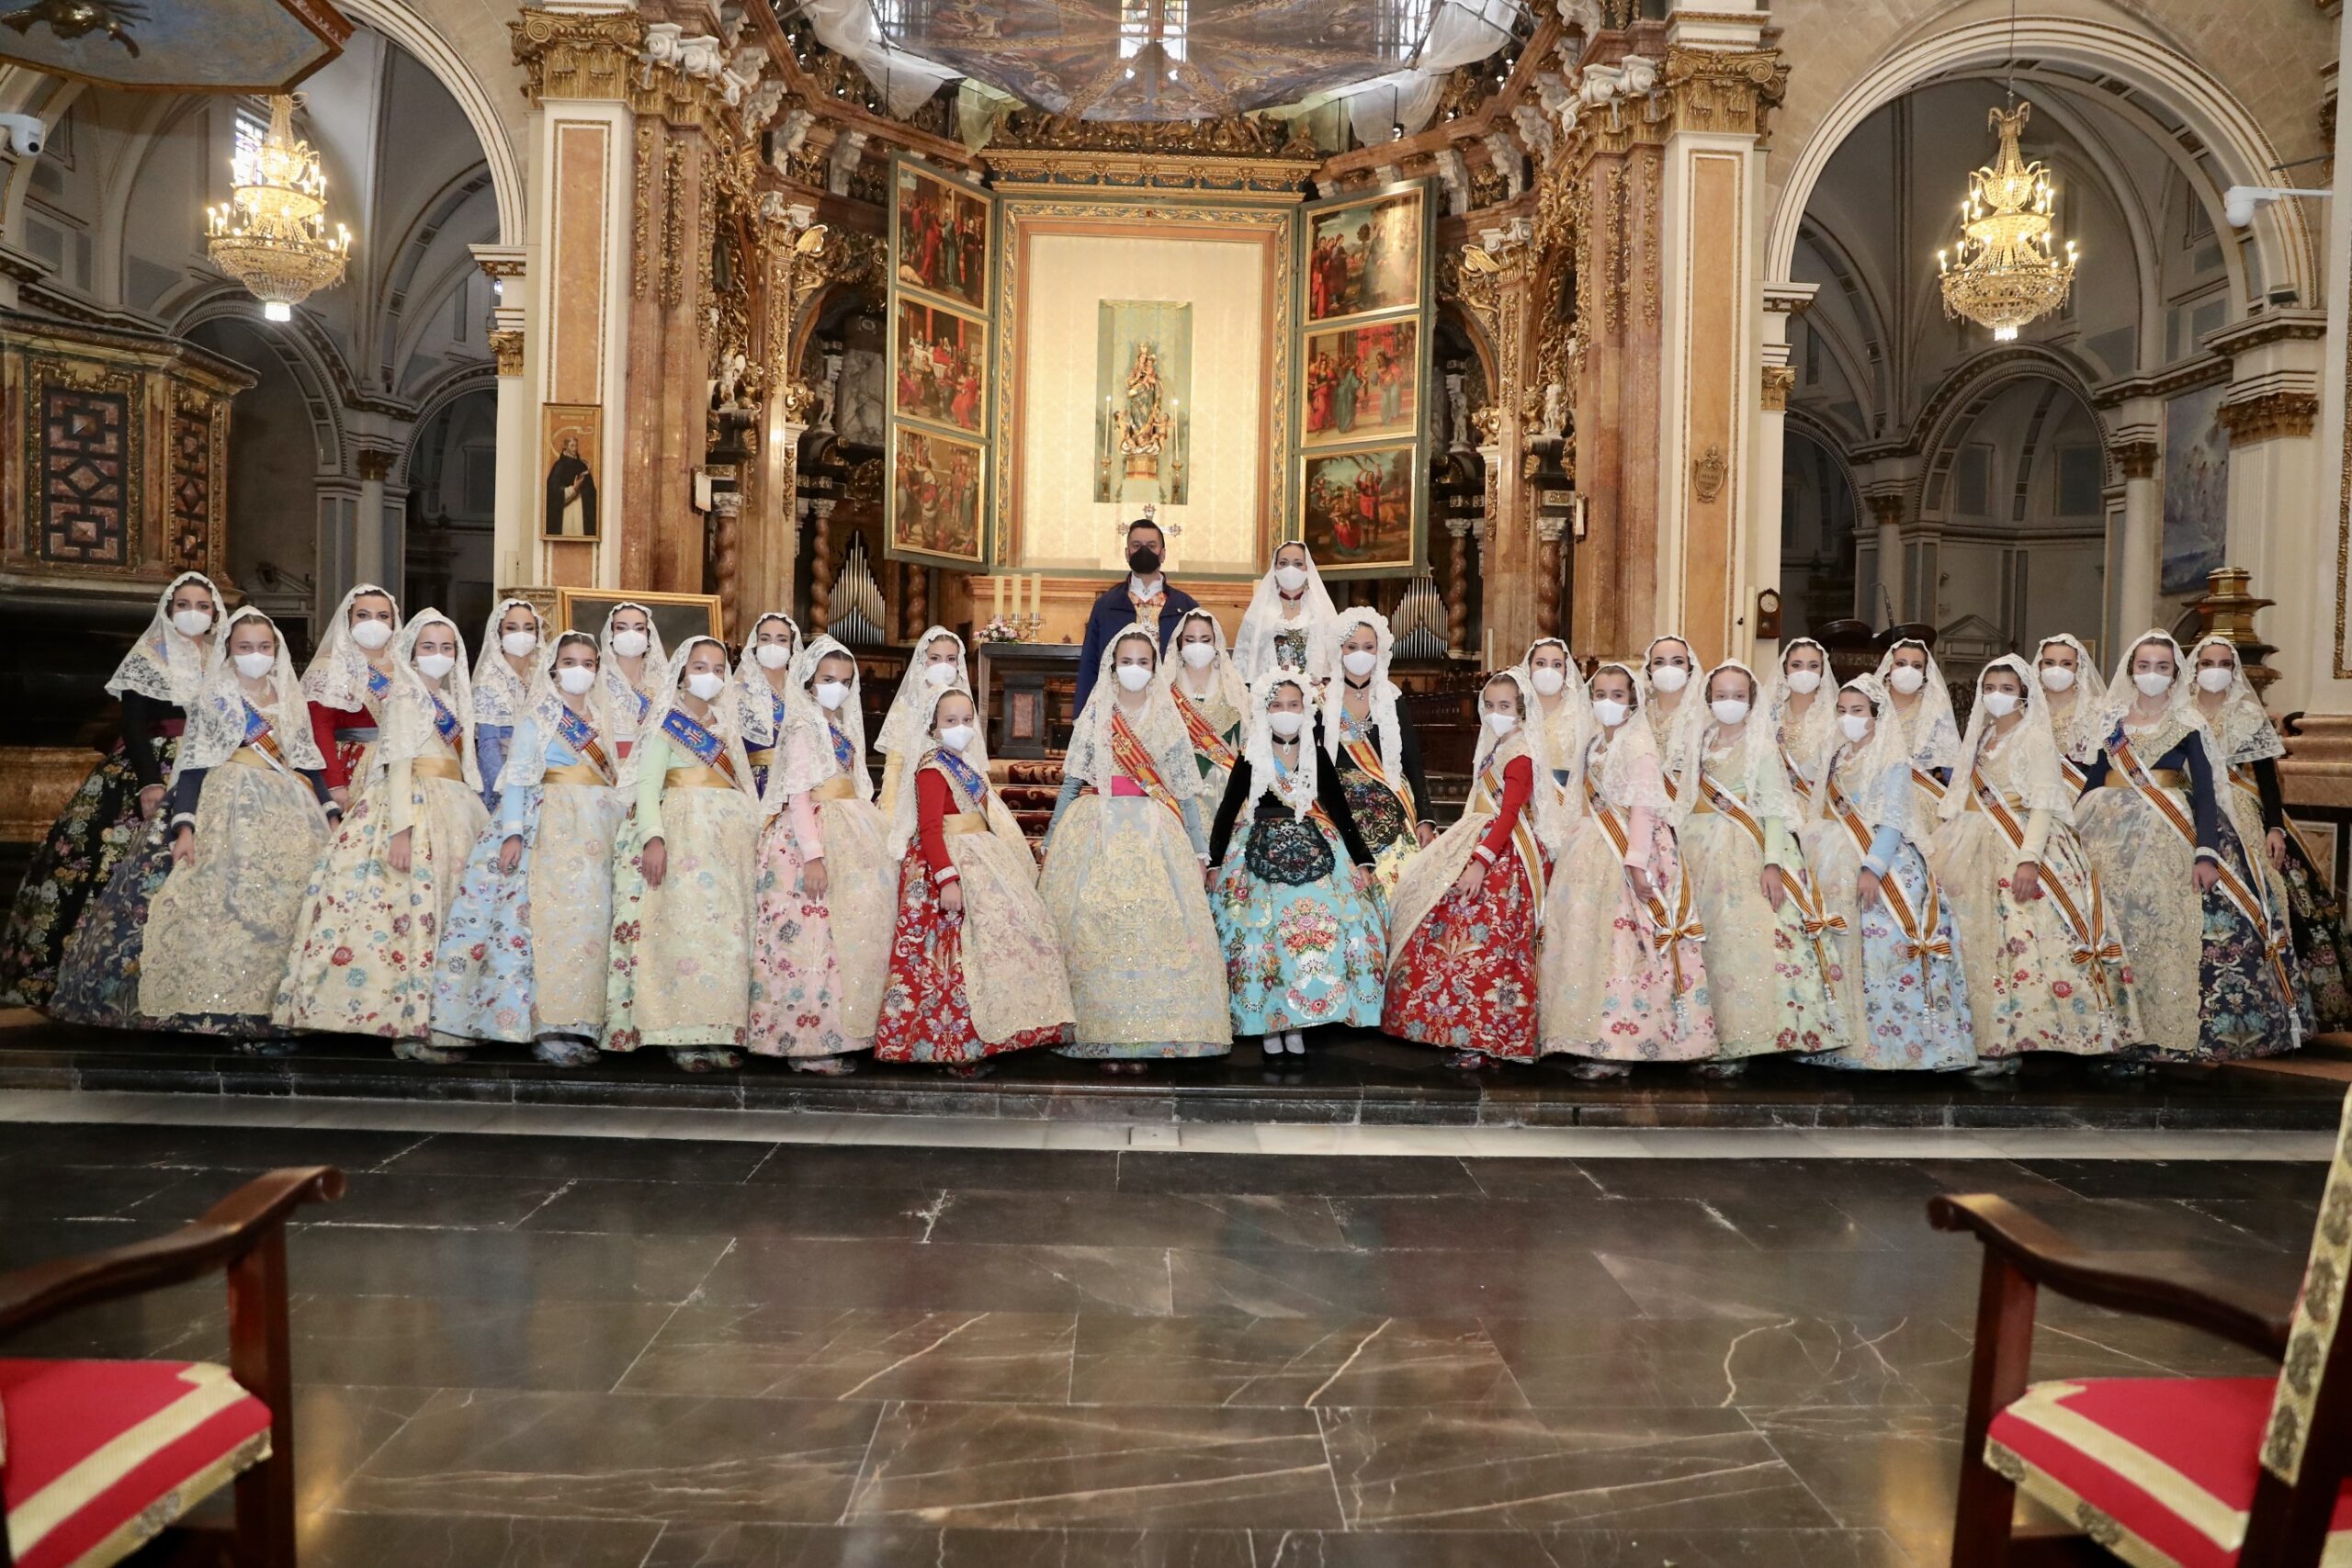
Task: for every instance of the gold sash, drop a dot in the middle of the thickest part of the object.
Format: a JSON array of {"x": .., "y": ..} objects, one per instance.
[
  {"x": 435, "y": 767},
  {"x": 761, "y": 758},
  {"x": 838, "y": 788},
  {"x": 247, "y": 757},
  {"x": 2090, "y": 955},
  {"x": 697, "y": 778},
  {"x": 574, "y": 773},
  {"x": 2152, "y": 784},
  {"x": 1810, "y": 916},
  {"x": 1669, "y": 931},
  {"x": 1919, "y": 939},
  {"x": 964, "y": 822}
]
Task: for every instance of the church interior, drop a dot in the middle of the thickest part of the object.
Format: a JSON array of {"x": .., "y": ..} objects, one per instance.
[{"x": 978, "y": 352}]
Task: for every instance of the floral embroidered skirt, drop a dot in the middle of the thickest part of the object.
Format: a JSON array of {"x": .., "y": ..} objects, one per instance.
[
  {"x": 1466, "y": 977},
  {"x": 363, "y": 963},
  {"x": 819, "y": 965},
  {"x": 927, "y": 1005},
  {"x": 2322, "y": 946},
  {"x": 2031, "y": 986},
  {"x": 1904, "y": 1010},
  {"x": 99, "y": 826},
  {"x": 1605, "y": 988},
  {"x": 219, "y": 928},
  {"x": 98, "y": 980},
  {"x": 680, "y": 972},
  {"x": 1297, "y": 953},
  {"x": 1147, "y": 975},
  {"x": 522, "y": 955},
  {"x": 1764, "y": 975}
]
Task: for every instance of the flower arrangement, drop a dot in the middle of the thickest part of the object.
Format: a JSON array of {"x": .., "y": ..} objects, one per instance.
[{"x": 1001, "y": 629}]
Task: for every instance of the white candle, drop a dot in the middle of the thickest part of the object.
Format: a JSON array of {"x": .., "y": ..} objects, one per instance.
[
  {"x": 1000, "y": 598},
  {"x": 1037, "y": 593}
]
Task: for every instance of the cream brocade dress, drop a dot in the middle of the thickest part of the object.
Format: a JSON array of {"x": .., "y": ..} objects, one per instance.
[
  {"x": 680, "y": 963},
  {"x": 219, "y": 929}
]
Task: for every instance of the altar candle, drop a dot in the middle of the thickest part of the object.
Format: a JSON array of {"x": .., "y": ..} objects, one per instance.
[
  {"x": 1037, "y": 593},
  {"x": 998, "y": 584},
  {"x": 1488, "y": 655}
]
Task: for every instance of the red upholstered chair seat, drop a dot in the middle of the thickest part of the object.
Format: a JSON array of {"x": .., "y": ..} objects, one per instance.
[
  {"x": 2159, "y": 1471},
  {"x": 101, "y": 1455}
]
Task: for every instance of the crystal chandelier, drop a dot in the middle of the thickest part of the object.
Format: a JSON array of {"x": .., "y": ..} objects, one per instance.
[
  {"x": 2008, "y": 270},
  {"x": 272, "y": 235}
]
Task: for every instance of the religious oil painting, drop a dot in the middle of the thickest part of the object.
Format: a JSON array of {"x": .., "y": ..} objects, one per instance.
[
  {"x": 1361, "y": 381},
  {"x": 935, "y": 497},
  {"x": 941, "y": 369},
  {"x": 2197, "y": 488},
  {"x": 1143, "y": 379},
  {"x": 574, "y": 457},
  {"x": 1363, "y": 256},
  {"x": 676, "y": 616},
  {"x": 940, "y": 237},
  {"x": 1358, "y": 507}
]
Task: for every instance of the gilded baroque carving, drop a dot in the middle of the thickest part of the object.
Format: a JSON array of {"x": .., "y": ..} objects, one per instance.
[
  {"x": 1708, "y": 471},
  {"x": 641, "y": 261},
  {"x": 576, "y": 54},
  {"x": 849, "y": 259},
  {"x": 506, "y": 344},
  {"x": 2269, "y": 416},
  {"x": 1726, "y": 90},
  {"x": 1244, "y": 135},
  {"x": 2138, "y": 459},
  {"x": 674, "y": 224},
  {"x": 1779, "y": 380}
]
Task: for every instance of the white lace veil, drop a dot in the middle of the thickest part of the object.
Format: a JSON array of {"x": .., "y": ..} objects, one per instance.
[
  {"x": 216, "y": 722},
  {"x": 1558, "y": 741},
  {"x": 1674, "y": 733},
  {"x": 1820, "y": 721},
  {"x": 1874, "y": 776},
  {"x": 1159, "y": 726},
  {"x": 1632, "y": 777},
  {"x": 1297, "y": 790},
  {"x": 2243, "y": 730},
  {"x": 748, "y": 687},
  {"x": 904, "y": 727},
  {"x": 721, "y": 722},
  {"x": 338, "y": 677},
  {"x": 1225, "y": 685},
  {"x": 1933, "y": 731},
  {"x": 2031, "y": 750},
  {"x": 804, "y": 750},
  {"x": 409, "y": 729},
  {"x": 1253, "y": 644},
  {"x": 2079, "y": 741},
  {"x": 1762, "y": 781},
  {"x": 1382, "y": 691},
  {"x": 906, "y": 811},
  {"x": 2180, "y": 702},
  {"x": 501, "y": 696},
  {"x": 1547, "y": 818},
  {"x": 162, "y": 664},
  {"x": 546, "y": 708},
  {"x": 620, "y": 696}
]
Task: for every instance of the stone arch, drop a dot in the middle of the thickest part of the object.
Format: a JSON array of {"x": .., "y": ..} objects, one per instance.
[
  {"x": 316, "y": 377},
  {"x": 1969, "y": 390},
  {"x": 405, "y": 24}
]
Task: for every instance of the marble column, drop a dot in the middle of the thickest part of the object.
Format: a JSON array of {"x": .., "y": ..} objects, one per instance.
[
  {"x": 1457, "y": 588},
  {"x": 2136, "y": 545},
  {"x": 1888, "y": 508},
  {"x": 2271, "y": 411},
  {"x": 515, "y": 506},
  {"x": 1784, "y": 303},
  {"x": 372, "y": 556}
]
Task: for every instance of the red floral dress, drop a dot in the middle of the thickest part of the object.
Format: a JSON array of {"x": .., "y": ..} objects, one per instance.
[{"x": 1466, "y": 977}]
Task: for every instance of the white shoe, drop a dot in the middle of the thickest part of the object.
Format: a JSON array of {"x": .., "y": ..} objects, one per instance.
[{"x": 1295, "y": 1043}]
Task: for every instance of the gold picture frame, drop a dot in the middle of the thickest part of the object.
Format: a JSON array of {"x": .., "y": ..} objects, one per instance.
[{"x": 676, "y": 616}]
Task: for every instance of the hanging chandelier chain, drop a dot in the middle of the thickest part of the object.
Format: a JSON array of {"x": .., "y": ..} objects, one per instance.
[{"x": 272, "y": 235}]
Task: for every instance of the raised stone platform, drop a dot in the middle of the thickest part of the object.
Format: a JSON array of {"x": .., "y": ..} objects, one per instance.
[{"x": 1368, "y": 1080}]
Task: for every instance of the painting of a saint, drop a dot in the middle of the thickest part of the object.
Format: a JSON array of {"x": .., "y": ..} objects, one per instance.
[
  {"x": 2196, "y": 490},
  {"x": 1364, "y": 256},
  {"x": 942, "y": 367},
  {"x": 1143, "y": 375},
  {"x": 1358, "y": 508},
  {"x": 939, "y": 236},
  {"x": 935, "y": 498},
  {"x": 1362, "y": 382},
  {"x": 570, "y": 511}
]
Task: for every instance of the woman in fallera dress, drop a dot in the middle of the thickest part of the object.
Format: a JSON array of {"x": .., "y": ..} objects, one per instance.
[
  {"x": 109, "y": 841},
  {"x": 1622, "y": 975},
  {"x": 1801, "y": 704},
  {"x": 349, "y": 683},
  {"x": 1766, "y": 967},
  {"x": 248, "y": 813},
  {"x": 1370, "y": 744},
  {"x": 1123, "y": 877},
  {"x": 1288, "y": 625},
  {"x": 1898, "y": 969},
  {"x": 372, "y": 917},
  {"x": 2251, "y": 746},
  {"x": 936, "y": 665},
  {"x": 514, "y": 648},
  {"x": 1919, "y": 704},
  {"x": 632, "y": 666},
  {"x": 1669, "y": 668},
  {"x": 1293, "y": 892},
  {"x": 763, "y": 680},
  {"x": 975, "y": 970},
  {"x": 1212, "y": 700},
  {"x": 522, "y": 955},
  {"x": 1463, "y": 928},
  {"x": 2073, "y": 702},
  {"x": 2045, "y": 971},
  {"x": 680, "y": 974},
  {"x": 2211, "y": 962},
  {"x": 1559, "y": 721},
  {"x": 827, "y": 888}
]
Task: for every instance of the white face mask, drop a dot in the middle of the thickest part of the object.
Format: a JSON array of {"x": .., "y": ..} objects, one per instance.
[
  {"x": 1285, "y": 724},
  {"x": 938, "y": 675},
  {"x": 772, "y": 655},
  {"x": 1290, "y": 578},
  {"x": 2057, "y": 678},
  {"x": 253, "y": 666},
  {"x": 1804, "y": 683},
  {"x": 2000, "y": 704},
  {"x": 1503, "y": 724},
  {"x": 1361, "y": 663},
  {"x": 1728, "y": 710},
  {"x": 631, "y": 644},
  {"x": 2215, "y": 677},
  {"x": 1134, "y": 677},
  {"x": 1907, "y": 678},
  {"x": 831, "y": 695},
  {"x": 434, "y": 666},
  {"x": 1199, "y": 655},
  {"x": 1669, "y": 678},
  {"x": 2151, "y": 683},
  {"x": 515, "y": 644},
  {"x": 575, "y": 679},
  {"x": 191, "y": 623},
  {"x": 1610, "y": 714},
  {"x": 1854, "y": 726},
  {"x": 704, "y": 685},
  {"x": 956, "y": 737},
  {"x": 1547, "y": 681},
  {"x": 372, "y": 634}
]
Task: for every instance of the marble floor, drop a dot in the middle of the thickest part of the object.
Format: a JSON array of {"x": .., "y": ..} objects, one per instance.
[{"x": 534, "y": 1336}]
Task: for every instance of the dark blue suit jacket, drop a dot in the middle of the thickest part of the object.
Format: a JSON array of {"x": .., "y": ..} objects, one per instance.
[{"x": 1112, "y": 615}]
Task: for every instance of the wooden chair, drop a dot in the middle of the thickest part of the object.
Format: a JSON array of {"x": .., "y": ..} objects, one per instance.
[
  {"x": 96, "y": 1457},
  {"x": 2162, "y": 1472}
]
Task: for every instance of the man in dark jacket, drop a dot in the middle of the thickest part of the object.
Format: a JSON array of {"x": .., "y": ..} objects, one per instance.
[{"x": 1146, "y": 596}]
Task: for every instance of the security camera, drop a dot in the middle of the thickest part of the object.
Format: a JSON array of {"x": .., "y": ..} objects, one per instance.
[
  {"x": 2239, "y": 203},
  {"x": 26, "y": 135}
]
